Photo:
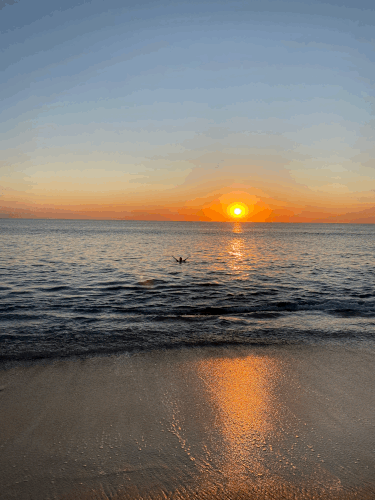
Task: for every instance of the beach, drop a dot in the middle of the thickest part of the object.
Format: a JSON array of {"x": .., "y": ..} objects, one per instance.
[
  {"x": 187, "y": 235},
  {"x": 218, "y": 422}
]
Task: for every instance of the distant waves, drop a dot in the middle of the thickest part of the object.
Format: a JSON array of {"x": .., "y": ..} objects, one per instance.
[{"x": 80, "y": 288}]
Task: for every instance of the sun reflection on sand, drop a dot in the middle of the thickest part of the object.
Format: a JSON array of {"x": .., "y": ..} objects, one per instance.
[
  {"x": 240, "y": 390},
  {"x": 197, "y": 424}
]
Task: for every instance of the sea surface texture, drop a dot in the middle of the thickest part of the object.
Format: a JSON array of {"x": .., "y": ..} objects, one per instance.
[{"x": 84, "y": 287}]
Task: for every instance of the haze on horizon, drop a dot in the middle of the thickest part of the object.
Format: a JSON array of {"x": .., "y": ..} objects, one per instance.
[{"x": 173, "y": 110}]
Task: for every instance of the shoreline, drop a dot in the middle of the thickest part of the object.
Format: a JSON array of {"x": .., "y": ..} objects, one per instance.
[
  {"x": 208, "y": 422},
  {"x": 32, "y": 357}
]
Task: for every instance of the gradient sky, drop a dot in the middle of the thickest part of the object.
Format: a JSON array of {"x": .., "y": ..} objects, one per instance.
[{"x": 172, "y": 110}]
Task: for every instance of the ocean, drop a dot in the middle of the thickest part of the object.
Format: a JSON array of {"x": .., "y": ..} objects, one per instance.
[{"x": 76, "y": 288}]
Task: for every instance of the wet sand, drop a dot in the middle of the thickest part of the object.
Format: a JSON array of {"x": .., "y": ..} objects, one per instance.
[{"x": 283, "y": 423}]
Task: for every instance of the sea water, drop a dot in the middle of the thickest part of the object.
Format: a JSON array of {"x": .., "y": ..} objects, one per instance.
[{"x": 87, "y": 287}]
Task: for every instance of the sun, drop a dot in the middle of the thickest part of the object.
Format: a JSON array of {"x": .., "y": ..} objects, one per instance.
[{"x": 237, "y": 210}]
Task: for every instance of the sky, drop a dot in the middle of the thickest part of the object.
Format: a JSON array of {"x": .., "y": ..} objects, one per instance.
[{"x": 175, "y": 110}]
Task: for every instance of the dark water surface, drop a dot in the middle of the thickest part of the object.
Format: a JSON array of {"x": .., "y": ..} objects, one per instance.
[{"x": 82, "y": 287}]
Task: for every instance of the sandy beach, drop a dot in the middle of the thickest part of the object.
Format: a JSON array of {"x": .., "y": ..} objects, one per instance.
[{"x": 272, "y": 422}]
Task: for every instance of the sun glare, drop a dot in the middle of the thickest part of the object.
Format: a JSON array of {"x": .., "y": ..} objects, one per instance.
[{"x": 237, "y": 210}]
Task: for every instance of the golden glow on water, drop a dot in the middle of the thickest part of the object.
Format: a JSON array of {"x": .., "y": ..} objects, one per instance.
[
  {"x": 245, "y": 253},
  {"x": 238, "y": 251},
  {"x": 237, "y": 228},
  {"x": 236, "y": 248}
]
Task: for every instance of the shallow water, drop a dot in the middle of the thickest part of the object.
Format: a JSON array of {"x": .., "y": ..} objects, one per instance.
[
  {"x": 282, "y": 423},
  {"x": 82, "y": 287}
]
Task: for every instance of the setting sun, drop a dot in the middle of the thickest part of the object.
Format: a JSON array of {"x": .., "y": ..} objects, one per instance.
[{"x": 237, "y": 210}]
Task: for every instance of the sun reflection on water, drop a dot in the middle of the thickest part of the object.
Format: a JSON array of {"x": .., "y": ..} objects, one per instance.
[
  {"x": 237, "y": 227},
  {"x": 237, "y": 249}
]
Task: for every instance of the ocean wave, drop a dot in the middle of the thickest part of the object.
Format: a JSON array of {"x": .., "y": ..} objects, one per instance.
[
  {"x": 59, "y": 344},
  {"x": 68, "y": 294}
]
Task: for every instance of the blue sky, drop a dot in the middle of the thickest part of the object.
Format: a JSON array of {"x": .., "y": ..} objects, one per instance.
[{"x": 159, "y": 104}]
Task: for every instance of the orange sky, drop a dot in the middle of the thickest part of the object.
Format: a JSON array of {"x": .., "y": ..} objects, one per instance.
[
  {"x": 109, "y": 110},
  {"x": 215, "y": 207}
]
